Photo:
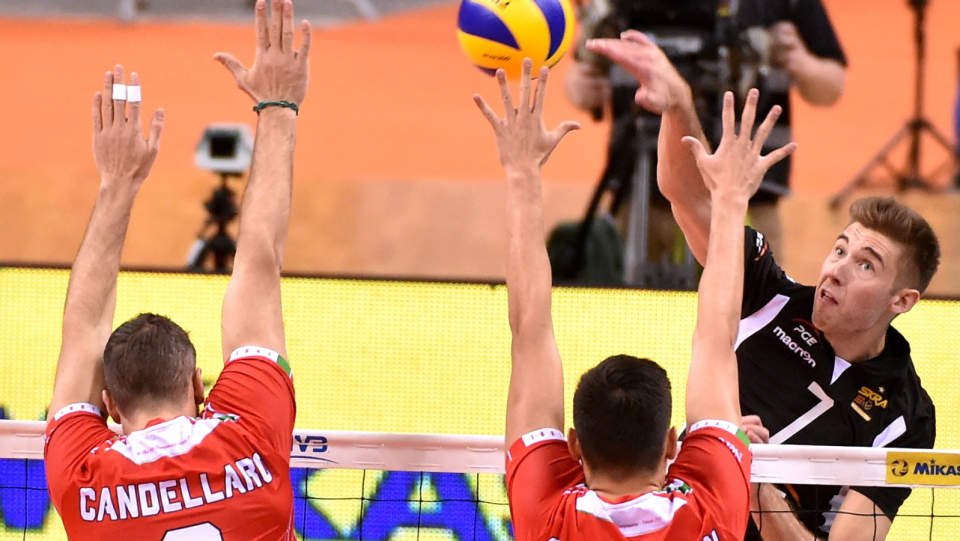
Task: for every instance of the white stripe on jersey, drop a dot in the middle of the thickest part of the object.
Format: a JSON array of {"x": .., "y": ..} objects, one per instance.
[
  {"x": 254, "y": 351},
  {"x": 839, "y": 367},
  {"x": 715, "y": 423},
  {"x": 648, "y": 513},
  {"x": 167, "y": 439},
  {"x": 77, "y": 408},
  {"x": 753, "y": 323},
  {"x": 543, "y": 434},
  {"x": 896, "y": 429}
]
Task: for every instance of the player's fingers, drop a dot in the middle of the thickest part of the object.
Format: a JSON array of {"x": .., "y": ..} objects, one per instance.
[
  {"x": 509, "y": 111},
  {"x": 232, "y": 64},
  {"x": 526, "y": 68},
  {"x": 156, "y": 127},
  {"x": 106, "y": 104},
  {"x": 306, "y": 37},
  {"x": 97, "y": 119},
  {"x": 486, "y": 110},
  {"x": 753, "y": 436},
  {"x": 648, "y": 100},
  {"x": 563, "y": 129},
  {"x": 119, "y": 96},
  {"x": 287, "y": 27},
  {"x": 695, "y": 147},
  {"x": 727, "y": 117},
  {"x": 635, "y": 36},
  {"x": 758, "y": 433},
  {"x": 749, "y": 113},
  {"x": 610, "y": 48},
  {"x": 541, "y": 91},
  {"x": 263, "y": 32},
  {"x": 766, "y": 128},
  {"x": 770, "y": 159},
  {"x": 133, "y": 99},
  {"x": 276, "y": 22}
]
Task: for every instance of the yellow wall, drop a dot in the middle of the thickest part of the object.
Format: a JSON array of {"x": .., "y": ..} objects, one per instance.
[{"x": 419, "y": 357}]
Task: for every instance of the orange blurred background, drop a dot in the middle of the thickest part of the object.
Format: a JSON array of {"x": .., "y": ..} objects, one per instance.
[{"x": 396, "y": 171}]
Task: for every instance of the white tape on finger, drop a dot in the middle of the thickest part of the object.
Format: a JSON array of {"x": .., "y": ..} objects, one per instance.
[
  {"x": 133, "y": 94},
  {"x": 119, "y": 92}
]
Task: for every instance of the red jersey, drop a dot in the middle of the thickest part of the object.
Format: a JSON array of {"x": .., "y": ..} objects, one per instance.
[
  {"x": 706, "y": 497},
  {"x": 222, "y": 477}
]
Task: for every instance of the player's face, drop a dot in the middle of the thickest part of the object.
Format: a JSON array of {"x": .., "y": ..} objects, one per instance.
[{"x": 857, "y": 280}]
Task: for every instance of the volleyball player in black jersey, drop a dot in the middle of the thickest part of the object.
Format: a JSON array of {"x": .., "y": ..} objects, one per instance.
[{"x": 819, "y": 365}]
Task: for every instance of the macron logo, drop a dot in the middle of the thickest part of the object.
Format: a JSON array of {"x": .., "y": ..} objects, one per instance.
[{"x": 794, "y": 347}]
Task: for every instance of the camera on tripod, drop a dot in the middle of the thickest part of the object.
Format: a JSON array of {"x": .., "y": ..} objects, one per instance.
[
  {"x": 702, "y": 40},
  {"x": 227, "y": 150}
]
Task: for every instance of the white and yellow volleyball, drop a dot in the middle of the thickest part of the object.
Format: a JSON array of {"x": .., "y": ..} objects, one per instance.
[{"x": 499, "y": 34}]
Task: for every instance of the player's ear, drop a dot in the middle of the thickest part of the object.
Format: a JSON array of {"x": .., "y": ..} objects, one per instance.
[
  {"x": 903, "y": 300},
  {"x": 670, "y": 446},
  {"x": 573, "y": 444},
  {"x": 110, "y": 406},
  {"x": 198, "y": 386}
]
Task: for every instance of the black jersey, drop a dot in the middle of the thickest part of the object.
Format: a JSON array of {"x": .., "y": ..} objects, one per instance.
[{"x": 806, "y": 395}]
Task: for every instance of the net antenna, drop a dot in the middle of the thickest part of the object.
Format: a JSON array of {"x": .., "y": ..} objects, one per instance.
[{"x": 910, "y": 176}]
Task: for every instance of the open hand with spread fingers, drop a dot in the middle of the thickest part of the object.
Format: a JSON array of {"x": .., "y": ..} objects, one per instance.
[
  {"x": 523, "y": 143},
  {"x": 124, "y": 158},
  {"x": 279, "y": 72},
  {"x": 737, "y": 168},
  {"x": 662, "y": 88}
]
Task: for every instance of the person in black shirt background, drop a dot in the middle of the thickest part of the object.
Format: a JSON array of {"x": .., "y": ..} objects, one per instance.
[
  {"x": 803, "y": 53},
  {"x": 819, "y": 365}
]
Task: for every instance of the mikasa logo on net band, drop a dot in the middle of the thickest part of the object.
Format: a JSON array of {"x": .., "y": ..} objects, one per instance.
[{"x": 794, "y": 346}]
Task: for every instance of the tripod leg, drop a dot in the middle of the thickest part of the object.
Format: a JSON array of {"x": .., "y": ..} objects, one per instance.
[
  {"x": 860, "y": 178},
  {"x": 927, "y": 126},
  {"x": 636, "y": 256}
]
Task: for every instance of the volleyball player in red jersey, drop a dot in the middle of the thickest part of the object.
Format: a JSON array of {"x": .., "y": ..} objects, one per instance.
[
  {"x": 173, "y": 474},
  {"x": 609, "y": 478}
]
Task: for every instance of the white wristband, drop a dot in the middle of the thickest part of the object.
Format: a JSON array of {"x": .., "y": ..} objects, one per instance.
[
  {"x": 119, "y": 92},
  {"x": 133, "y": 94}
]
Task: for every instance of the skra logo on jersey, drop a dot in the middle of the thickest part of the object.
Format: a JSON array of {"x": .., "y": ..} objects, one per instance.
[
  {"x": 792, "y": 344},
  {"x": 866, "y": 400},
  {"x": 712, "y": 537}
]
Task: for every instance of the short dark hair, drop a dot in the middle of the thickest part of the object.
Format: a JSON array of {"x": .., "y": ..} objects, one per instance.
[
  {"x": 903, "y": 225},
  {"x": 621, "y": 412},
  {"x": 148, "y": 361}
]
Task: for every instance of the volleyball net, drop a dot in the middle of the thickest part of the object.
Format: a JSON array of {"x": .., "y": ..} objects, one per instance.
[{"x": 374, "y": 486}]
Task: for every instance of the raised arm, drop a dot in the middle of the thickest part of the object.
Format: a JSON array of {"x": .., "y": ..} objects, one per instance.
[
  {"x": 252, "y": 312},
  {"x": 535, "y": 397},
  {"x": 124, "y": 159},
  {"x": 663, "y": 91},
  {"x": 732, "y": 175}
]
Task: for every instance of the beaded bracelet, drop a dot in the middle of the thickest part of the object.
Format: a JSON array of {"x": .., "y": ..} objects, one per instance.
[{"x": 264, "y": 104}]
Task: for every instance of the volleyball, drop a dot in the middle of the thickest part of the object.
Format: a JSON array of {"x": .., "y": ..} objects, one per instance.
[{"x": 499, "y": 34}]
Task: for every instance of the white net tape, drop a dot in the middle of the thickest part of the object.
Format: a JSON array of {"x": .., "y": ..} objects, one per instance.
[{"x": 794, "y": 464}]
